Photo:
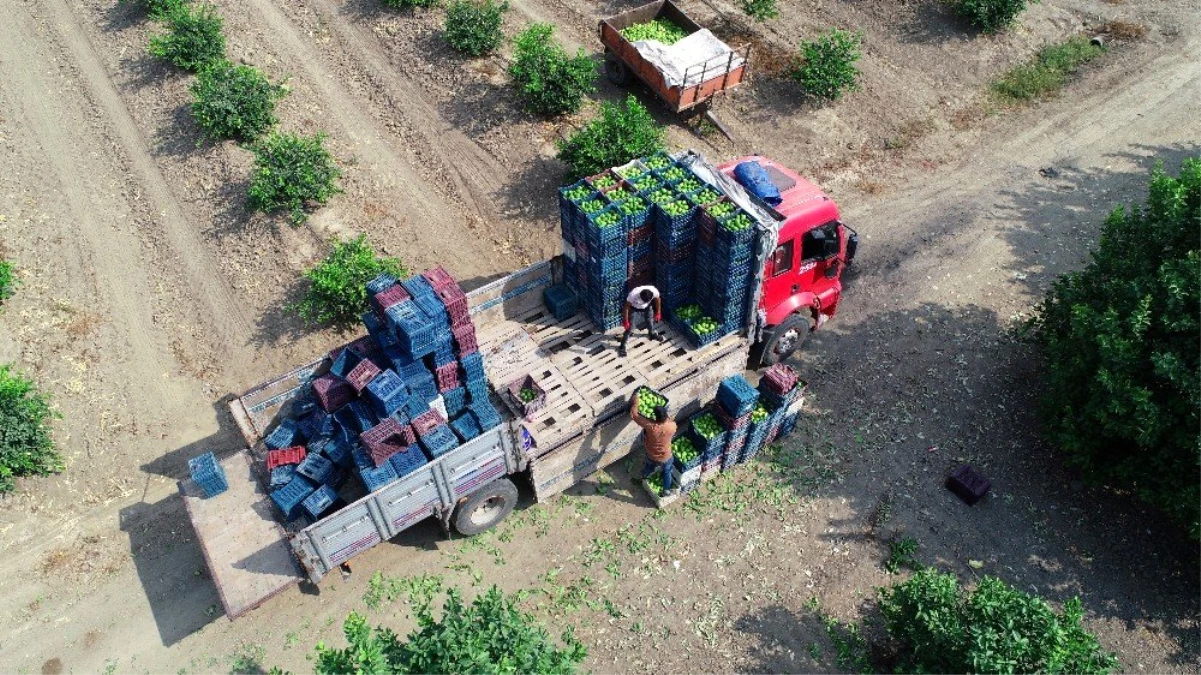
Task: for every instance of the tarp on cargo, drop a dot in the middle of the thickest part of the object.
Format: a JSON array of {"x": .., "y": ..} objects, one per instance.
[{"x": 685, "y": 63}]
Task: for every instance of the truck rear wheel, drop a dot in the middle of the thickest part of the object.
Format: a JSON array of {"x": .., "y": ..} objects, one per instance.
[
  {"x": 487, "y": 507},
  {"x": 785, "y": 339}
]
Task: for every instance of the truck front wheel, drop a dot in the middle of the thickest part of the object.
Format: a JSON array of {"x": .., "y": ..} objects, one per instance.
[
  {"x": 785, "y": 339},
  {"x": 487, "y": 507}
]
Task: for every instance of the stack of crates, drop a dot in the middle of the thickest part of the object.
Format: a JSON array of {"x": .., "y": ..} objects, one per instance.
[
  {"x": 731, "y": 263},
  {"x": 710, "y": 446},
  {"x": 208, "y": 475},
  {"x": 736, "y": 398}
]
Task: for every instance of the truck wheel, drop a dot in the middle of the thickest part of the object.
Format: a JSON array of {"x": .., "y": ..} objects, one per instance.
[
  {"x": 486, "y": 508},
  {"x": 616, "y": 71},
  {"x": 786, "y": 339}
]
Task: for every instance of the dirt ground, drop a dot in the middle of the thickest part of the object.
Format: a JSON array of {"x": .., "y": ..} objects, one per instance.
[{"x": 150, "y": 294}]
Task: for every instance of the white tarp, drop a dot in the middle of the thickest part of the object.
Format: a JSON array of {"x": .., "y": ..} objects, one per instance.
[{"x": 698, "y": 53}]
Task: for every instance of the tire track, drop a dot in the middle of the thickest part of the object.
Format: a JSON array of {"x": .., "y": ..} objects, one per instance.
[
  {"x": 434, "y": 226},
  {"x": 223, "y": 314},
  {"x": 475, "y": 172},
  {"x": 108, "y": 257}
]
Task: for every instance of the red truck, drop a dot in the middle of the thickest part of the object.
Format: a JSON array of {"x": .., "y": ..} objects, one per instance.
[{"x": 802, "y": 276}]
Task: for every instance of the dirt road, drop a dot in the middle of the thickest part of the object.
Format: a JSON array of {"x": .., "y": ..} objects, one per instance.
[{"x": 149, "y": 295}]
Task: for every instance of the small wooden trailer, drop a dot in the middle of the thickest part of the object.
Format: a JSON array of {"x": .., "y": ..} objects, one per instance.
[{"x": 694, "y": 85}]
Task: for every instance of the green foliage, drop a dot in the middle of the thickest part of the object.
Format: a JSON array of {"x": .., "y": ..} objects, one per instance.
[
  {"x": 158, "y": 9},
  {"x": 490, "y": 635},
  {"x": 759, "y": 10},
  {"x": 993, "y": 629},
  {"x": 235, "y": 102},
  {"x": 1047, "y": 72},
  {"x": 194, "y": 38},
  {"x": 1122, "y": 388},
  {"x": 900, "y": 555},
  {"x": 549, "y": 81},
  {"x": 826, "y": 66},
  {"x": 8, "y": 280},
  {"x": 473, "y": 26},
  {"x": 337, "y": 291},
  {"x": 26, "y": 448},
  {"x": 617, "y": 135},
  {"x": 292, "y": 171},
  {"x": 401, "y": 4},
  {"x": 990, "y": 16}
]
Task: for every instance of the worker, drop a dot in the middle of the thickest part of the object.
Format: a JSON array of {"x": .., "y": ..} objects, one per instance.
[
  {"x": 646, "y": 300},
  {"x": 656, "y": 438}
]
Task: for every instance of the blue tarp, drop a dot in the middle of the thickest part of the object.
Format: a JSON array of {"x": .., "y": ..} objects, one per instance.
[{"x": 753, "y": 177}]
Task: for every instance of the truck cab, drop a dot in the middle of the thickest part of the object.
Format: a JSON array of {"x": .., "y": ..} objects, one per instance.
[{"x": 802, "y": 276}]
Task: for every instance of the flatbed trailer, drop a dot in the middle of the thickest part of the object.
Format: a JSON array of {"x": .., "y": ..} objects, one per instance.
[{"x": 584, "y": 427}]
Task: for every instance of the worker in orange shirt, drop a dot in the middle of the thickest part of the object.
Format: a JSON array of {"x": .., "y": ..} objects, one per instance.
[{"x": 656, "y": 438}]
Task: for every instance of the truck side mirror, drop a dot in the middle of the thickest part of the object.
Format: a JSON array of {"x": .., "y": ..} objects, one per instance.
[{"x": 852, "y": 246}]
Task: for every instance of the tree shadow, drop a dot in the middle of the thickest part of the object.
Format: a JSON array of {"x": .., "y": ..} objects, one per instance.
[
  {"x": 935, "y": 22},
  {"x": 120, "y": 16}
]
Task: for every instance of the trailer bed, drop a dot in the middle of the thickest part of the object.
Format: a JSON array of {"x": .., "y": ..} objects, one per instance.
[
  {"x": 585, "y": 424},
  {"x": 242, "y": 541}
]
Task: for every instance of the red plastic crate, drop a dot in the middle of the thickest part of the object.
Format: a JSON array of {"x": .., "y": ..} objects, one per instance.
[
  {"x": 292, "y": 455},
  {"x": 408, "y": 435},
  {"x": 426, "y": 421},
  {"x": 780, "y": 378},
  {"x": 447, "y": 376},
  {"x": 439, "y": 278},
  {"x": 389, "y": 297},
  {"x": 332, "y": 392},
  {"x": 465, "y": 339},
  {"x": 641, "y": 234},
  {"x": 360, "y": 375},
  {"x": 381, "y": 452},
  {"x": 728, "y": 421}
]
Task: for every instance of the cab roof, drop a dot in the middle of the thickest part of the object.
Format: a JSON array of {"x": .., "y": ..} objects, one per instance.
[{"x": 803, "y": 203}]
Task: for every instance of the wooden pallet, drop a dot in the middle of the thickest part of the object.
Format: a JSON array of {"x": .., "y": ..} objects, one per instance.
[{"x": 566, "y": 412}]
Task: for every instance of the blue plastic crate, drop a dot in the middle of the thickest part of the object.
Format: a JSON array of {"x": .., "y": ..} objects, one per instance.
[
  {"x": 699, "y": 341},
  {"x": 455, "y": 399},
  {"x": 416, "y": 405},
  {"x": 282, "y": 475},
  {"x": 399, "y": 358},
  {"x": 485, "y": 414},
  {"x": 319, "y": 502},
  {"x": 289, "y": 497},
  {"x": 643, "y": 249},
  {"x": 668, "y": 221},
  {"x": 439, "y": 441},
  {"x": 473, "y": 367},
  {"x": 362, "y": 458},
  {"x": 466, "y": 426},
  {"x": 427, "y": 300},
  {"x": 315, "y": 467},
  {"x": 285, "y": 435},
  {"x": 788, "y": 424},
  {"x": 387, "y": 393},
  {"x": 444, "y": 350},
  {"x": 562, "y": 302},
  {"x": 708, "y": 447},
  {"x": 208, "y": 474},
  {"x": 376, "y": 477},
  {"x": 478, "y": 390},
  {"x": 598, "y": 236},
  {"x": 338, "y": 451},
  {"x": 316, "y": 424},
  {"x": 415, "y": 332},
  {"x": 380, "y": 283},
  {"x": 344, "y": 362},
  {"x": 407, "y": 461},
  {"x": 421, "y": 386},
  {"x": 363, "y": 416},
  {"x": 347, "y": 422}
]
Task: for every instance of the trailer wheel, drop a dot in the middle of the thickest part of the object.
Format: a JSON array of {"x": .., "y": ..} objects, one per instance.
[
  {"x": 616, "y": 71},
  {"x": 486, "y": 508},
  {"x": 786, "y": 339}
]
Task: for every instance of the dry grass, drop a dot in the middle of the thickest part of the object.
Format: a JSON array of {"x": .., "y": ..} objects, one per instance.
[
  {"x": 82, "y": 325},
  {"x": 871, "y": 187},
  {"x": 908, "y": 133},
  {"x": 1123, "y": 31}
]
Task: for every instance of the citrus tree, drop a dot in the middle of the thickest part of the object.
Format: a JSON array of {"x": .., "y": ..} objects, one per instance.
[
  {"x": 549, "y": 81},
  {"x": 337, "y": 291},
  {"x": 26, "y": 448},
  {"x": 236, "y": 102},
  {"x": 1122, "y": 382},
  {"x": 292, "y": 172},
  {"x": 616, "y": 135}
]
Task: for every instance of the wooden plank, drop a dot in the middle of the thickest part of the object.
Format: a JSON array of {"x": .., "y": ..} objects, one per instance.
[
  {"x": 566, "y": 412},
  {"x": 242, "y": 542}
]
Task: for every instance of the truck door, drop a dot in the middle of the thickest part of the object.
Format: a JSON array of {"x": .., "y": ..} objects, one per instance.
[
  {"x": 779, "y": 278},
  {"x": 819, "y": 250}
]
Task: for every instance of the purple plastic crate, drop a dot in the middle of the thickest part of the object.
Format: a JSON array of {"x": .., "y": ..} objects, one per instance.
[
  {"x": 332, "y": 392},
  {"x": 968, "y": 485}
]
